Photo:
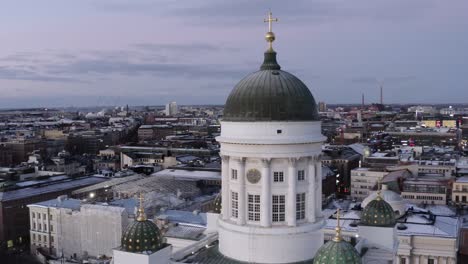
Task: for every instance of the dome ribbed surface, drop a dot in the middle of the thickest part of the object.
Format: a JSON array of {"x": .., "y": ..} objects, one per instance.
[
  {"x": 340, "y": 252},
  {"x": 142, "y": 236},
  {"x": 378, "y": 213},
  {"x": 270, "y": 95}
]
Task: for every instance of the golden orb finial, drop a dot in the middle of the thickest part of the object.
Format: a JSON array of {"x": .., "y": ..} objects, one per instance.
[
  {"x": 379, "y": 189},
  {"x": 270, "y": 36},
  {"x": 337, "y": 237},
  {"x": 141, "y": 210}
]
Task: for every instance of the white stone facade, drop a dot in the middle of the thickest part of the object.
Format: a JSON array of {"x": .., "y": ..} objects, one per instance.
[
  {"x": 271, "y": 195},
  {"x": 162, "y": 256},
  {"x": 363, "y": 180},
  {"x": 92, "y": 230}
]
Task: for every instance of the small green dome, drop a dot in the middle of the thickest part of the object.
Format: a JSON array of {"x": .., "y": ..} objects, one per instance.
[
  {"x": 142, "y": 236},
  {"x": 378, "y": 213},
  {"x": 337, "y": 252}
]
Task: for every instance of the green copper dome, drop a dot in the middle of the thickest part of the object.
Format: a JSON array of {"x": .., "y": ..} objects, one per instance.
[
  {"x": 270, "y": 94},
  {"x": 378, "y": 213},
  {"x": 142, "y": 235},
  {"x": 337, "y": 252}
]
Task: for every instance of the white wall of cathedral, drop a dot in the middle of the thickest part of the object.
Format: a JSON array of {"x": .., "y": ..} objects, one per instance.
[
  {"x": 270, "y": 245},
  {"x": 271, "y": 133},
  {"x": 162, "y": 256},
  {"x": 286, "y": 155}
]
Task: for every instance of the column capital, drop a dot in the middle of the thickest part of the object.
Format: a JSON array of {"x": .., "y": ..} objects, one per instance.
[
  {"x": 266, "y": 162},
  {"x": 240, "y": 159},
  {"x": 293, "y": 161},
  {"x": 224, "y": 158},
  {"x": 317, "y": 157}
]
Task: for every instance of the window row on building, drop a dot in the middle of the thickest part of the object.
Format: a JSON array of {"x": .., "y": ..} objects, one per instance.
[
  {"x": 278, "y": 209},
  {"x": 278, "y": 176},
  {"x": 41, "y": 238},
  {"x": 38, "y": 216},
  {"x": 422, "y": 197}
]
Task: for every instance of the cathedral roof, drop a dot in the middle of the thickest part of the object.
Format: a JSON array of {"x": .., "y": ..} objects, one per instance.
[
  {"x": 391, "y": 197},
  {"x": 340, "y": 252},
  {"x": 337, "y": 250},
  {"x": 270, "y": 94},
  {"x": 378, "y": 213},
  {"x": 142, "y": 235}
]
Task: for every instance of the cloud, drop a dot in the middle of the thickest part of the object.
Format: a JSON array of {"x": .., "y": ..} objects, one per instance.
[
  {"x": 149, "y": 59},
  {"x": 243, "y": 12},
  {"x": 7, "y": 73},
  {"x": 388, "y": 80},
  {"x": 122, "y": 67}
]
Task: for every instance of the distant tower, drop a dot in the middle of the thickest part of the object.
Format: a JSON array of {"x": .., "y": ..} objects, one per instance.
[
  {"x": 322, "y": 106},
  {"x": 362, "y": 101},
  {"x": 171, "y": 109},
  {"x": 381, "y": 94}
]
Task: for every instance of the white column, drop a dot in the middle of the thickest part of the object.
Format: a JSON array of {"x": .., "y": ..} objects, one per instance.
[
  {"x": 291, "y": 196},
  {"x": 416, "y": 259},
  {"x": 265, "y": 209},
  {"x": 242, "y": 194},
  {"x": 225, "y": 197},
  {"x": 311, "y": 192},
  {"x": 318, "y": 193}
]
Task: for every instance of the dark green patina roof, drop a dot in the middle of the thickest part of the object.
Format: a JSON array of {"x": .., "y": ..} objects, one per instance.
[
  {"x": 270, "y": 94},
  {"x": 378, "y": 213},
  {"x": 337, "y": 252},
  {"x": 142, "y": 236},
  {"x": 213, "y": 256}
]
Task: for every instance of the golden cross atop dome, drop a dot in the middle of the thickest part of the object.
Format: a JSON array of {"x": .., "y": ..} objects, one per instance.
[
  {"x": 337, "y": 237},
  {"x": 270, "y": 19},
  {"x": 141, "y": 210},
  {"x": 270, "y": 36}
]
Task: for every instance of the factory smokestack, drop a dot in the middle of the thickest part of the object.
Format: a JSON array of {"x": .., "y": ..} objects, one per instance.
[{"x": 381, "y": 94}]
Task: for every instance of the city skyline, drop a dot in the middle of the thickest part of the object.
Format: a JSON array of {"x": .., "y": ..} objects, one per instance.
[{"x": 57, "y": 53}]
